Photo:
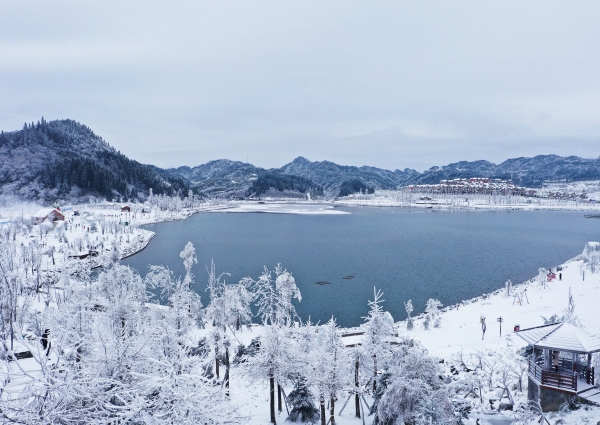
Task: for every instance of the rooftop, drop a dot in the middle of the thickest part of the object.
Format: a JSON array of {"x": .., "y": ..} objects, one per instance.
[{"x": 561, "y": 337}]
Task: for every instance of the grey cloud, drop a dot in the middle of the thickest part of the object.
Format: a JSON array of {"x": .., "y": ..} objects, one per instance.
[{"x": 385, "y": 83}]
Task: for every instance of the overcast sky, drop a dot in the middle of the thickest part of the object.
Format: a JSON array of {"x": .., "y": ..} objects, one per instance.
[{"x": 390, "y": 84}]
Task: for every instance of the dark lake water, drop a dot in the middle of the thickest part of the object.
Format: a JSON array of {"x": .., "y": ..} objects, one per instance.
[{"x": 407, "y": 254}]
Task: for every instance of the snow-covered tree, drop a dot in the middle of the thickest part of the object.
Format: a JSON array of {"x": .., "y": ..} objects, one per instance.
[
  {"x": 239, "y": 300},
  {"x": 542, "y": 277},
  {"x": 229, "y": 307},
  {"x": 508, "y": 287},
  {"x": 378, "y": 333},
  {"x": 432, "y": 314},
  {"x": 302, "y": 402},
  {"x": 331, "y": 369},
  {"x": 411, "y": 391},
  {"x": 287, "y": 290},
  {"x": 112, "y": 358},
  {"x": 409, "y": 320},
  {"x": 189, "y": 259},
  {"x": 274, "y": 297},
  {"x": 591, "y": 257},
  {"x": 272, "y": 362}
]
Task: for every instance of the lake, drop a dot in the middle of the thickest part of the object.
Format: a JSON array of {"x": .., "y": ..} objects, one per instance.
[{"x": 406, "y": 253}]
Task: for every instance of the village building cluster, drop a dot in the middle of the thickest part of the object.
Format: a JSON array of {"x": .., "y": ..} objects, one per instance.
[
  {"x": 474, "y": 185},
  {"x": 573, "y": 196},
  {"x": 488, "y": 186}
]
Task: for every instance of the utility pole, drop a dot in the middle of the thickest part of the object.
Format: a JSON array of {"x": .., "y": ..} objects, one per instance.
[{"x": 500, "y": 320}]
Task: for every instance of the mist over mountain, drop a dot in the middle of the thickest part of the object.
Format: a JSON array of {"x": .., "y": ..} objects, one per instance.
[{"x": 65, "y": 160}]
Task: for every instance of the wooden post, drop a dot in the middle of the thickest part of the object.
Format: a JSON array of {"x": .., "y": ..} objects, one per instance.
[{"x": 356, "y": 388}]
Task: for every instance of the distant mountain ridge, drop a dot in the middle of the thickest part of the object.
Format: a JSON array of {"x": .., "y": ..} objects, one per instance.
[
  {"x": 332, "y": 176},
  {"x": 335, "y": 179},
  {"x": 530, "y": 172},
  {"x": 63, "y": 159}
]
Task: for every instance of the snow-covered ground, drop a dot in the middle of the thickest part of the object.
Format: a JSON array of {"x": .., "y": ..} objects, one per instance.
[
  {"x": 590, "y": 187},
  {"x": 460, "y": 330},
  {"x": 461, "y": 333},
  {"x": 282, "y": 208},
  {"x": 92, "y": 227},
  {"x": 400, "y": 198}
]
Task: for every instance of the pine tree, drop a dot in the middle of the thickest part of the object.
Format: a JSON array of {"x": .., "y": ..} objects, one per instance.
[{"x": 302, "y": 402}]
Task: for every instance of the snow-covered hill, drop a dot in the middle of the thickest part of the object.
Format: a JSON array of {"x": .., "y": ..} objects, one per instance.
[{"x": 63, "y": 159}]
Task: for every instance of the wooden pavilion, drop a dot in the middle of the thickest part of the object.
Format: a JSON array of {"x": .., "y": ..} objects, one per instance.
[{"x": 561, "y": 365}]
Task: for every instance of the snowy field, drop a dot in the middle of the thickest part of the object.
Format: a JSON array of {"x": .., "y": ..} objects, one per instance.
[
  {"x": 591, "y": 188},
  {"x": 282, "y": 208},
  {"x": 399, "y": 198}
]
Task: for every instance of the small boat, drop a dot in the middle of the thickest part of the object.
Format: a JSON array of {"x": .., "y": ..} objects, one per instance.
[
  {"x": 348, "y": 277},
  {"x": 323, "y": 283}
]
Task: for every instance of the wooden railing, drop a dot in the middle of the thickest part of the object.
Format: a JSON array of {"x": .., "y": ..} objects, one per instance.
[
  {"x": 552, "y": 379},
  {"x": 535, "y": 370},
  {"x": 589, "y": 376}
]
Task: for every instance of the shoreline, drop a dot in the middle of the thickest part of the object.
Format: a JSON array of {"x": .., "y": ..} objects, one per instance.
[
  {"x": 460, "y": 330},
  {"x": 446, "y": 309}
]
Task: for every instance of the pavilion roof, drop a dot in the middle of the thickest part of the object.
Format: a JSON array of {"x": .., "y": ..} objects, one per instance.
[
  {"x": 44, "y": 212},
  {"x": 561, "y": 337}
]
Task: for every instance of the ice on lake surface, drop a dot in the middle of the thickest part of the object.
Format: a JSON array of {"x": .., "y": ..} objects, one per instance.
[{"x": 407, "y": 254}]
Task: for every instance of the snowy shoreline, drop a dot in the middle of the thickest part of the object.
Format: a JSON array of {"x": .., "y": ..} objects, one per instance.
[{"x": 459, "y": 333}]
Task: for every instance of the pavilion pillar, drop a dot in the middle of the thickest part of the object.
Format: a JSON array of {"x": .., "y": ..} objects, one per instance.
[
  {"x": 588, "y": 370},
  {"x": 589, "y": 361}
]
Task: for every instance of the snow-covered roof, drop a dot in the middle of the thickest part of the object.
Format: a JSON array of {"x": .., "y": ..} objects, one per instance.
[
  {"x": 43, "y": 212},
  {"x": 561, "y": 337}
]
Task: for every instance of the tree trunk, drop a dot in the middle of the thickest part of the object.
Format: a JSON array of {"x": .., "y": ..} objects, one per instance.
[
  {"x": 279, "y": 407},
  {"x": 332, "y": 411},
  {"x": 272, "y": 398},
  {"x": 323, "y": 421},
  {"x": 216, "y": 357},
  {"x": 227, "y": 370},
  {"x": 356, "y": 387},
  {"x": 374, "y": 374}
]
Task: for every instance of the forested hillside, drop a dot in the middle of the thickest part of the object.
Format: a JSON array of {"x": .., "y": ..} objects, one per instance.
[
  {"x": 340, "y": 180},
  {"x": 276, "y": 180},
  {"x": 530, "y": 172},
  {"x": 46, "y": 161}
]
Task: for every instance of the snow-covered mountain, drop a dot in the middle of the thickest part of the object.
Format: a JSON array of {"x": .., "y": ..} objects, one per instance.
[
  {"x": 333, "y": 176},
  {"x": 222, "y": 176},
  {"x": 63, "y": 159},
  {"x": 240, "y": 179},
  {"x": 531, "y": 172}
]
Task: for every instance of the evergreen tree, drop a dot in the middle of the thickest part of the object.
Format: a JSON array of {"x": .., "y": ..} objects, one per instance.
[{"x": 302, "y": 402}]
